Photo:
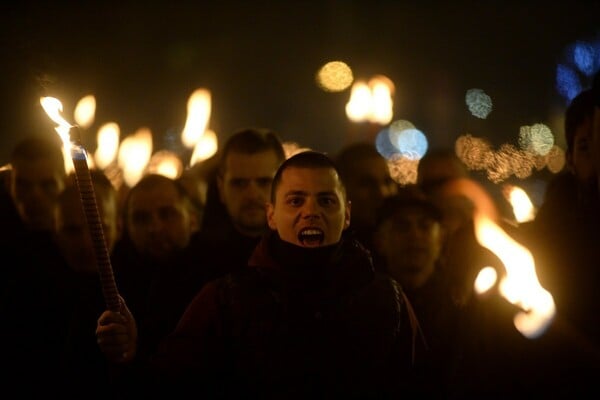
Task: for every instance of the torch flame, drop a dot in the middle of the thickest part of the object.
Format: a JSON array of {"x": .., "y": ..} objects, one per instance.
[
  {"x": 53, "y": 108},
  {"x": 134, "y": 154},
  {"x": 523, "y": 208},
  {"x": 520, "y": 286},
  {"x": 166, "y": 163},
  {"x": 199, "y": 109},
  {"x": 371, "y": 101},
  {"x": 205, "y": 148},
  {"x": 108, "y": 144},
  {"x": 85, "y": 111}
]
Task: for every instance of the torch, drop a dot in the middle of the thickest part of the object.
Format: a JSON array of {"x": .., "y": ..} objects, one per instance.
[{"x": 72, "y": 143}]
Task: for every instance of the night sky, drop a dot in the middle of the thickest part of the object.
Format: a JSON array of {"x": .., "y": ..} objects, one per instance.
[{"x": 259, "y": 59}]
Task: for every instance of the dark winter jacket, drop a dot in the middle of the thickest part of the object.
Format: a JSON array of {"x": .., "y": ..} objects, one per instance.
[{"x": 297, "y": 323}]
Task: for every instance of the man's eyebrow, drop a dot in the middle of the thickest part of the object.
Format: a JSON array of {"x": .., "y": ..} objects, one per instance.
[
  {"x": 327, "y": 193},
  {"x": 296, "y": 193},
  {"x": 305, "y": 193}
]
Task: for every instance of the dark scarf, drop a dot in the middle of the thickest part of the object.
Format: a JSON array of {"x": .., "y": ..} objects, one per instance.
[{"x": 302, "y": 267}]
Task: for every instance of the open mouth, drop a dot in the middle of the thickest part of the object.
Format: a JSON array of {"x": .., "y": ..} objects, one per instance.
[{"x": 311, "y": 237}]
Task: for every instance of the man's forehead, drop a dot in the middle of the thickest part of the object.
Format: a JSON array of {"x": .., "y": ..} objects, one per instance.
[
  {"x": 150, "y": 197},
  {"x": 38, "y": 168},
  {"x": 310, "y": 180},
  {"x": 267, "y": 157},
  {"x": 251, "y": 169}
]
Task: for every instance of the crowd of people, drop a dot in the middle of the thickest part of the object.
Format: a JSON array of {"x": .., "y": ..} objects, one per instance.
[{"x": 310, "y": 275}]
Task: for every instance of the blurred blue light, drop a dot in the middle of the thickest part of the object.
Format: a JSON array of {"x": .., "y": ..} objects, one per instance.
[
  {"x": 412, "y": 144},
  {"x": 585, "y": 57},
  {"x": 383, "y": 144},
  {"x": 567, "y": 82}
]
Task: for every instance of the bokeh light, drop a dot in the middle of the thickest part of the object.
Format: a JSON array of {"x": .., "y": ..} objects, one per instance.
[
  {"x": 401, "y": 138},
  {"x": 335, "y": 76},
  {"x": 574, "y": 72},
  {"x": 537, "y": 138},
  {"x": 412, "y": 144},
  {"x": 476, "y": 153},
  {"x": 479, "y": 103},
  {"x": 403, "y": 170},
  {"x": 384, "y": 145},
  {"x": 586, "y": 57}
]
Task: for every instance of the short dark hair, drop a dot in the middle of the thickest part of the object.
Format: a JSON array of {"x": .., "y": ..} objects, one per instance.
[
  {"x": 149, "y": 181},
  {"x": 251, "y": 141},
  {"x": 37, "y": 147},
  {"x": 410, "y": 196},
  {"x": 580, "y": 109},
  {"x": 305, "y": 159}
]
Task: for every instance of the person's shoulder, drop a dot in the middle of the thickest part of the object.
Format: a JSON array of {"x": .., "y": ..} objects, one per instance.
[{"x": 384, "y": 280}]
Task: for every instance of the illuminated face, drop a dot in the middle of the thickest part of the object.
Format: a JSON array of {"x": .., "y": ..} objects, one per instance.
[
  {"x": 367, "y": 186},
  {"x": 310, "y": 209},
  {"x": 35, "y": 187},
  {"x": 73, "y": 235},
  {"x": 159, "y": 220},
  {"x": 410, "y": 242},
  {"x": 245, "y": 188}
]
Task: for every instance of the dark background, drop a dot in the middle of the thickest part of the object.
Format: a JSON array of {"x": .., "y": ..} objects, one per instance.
[{"x": 142, "y": 60}]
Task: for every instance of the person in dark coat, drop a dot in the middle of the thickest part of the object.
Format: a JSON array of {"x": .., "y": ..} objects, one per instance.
[
  {"x": 308, "y": 318},
  {"x": 35, "y": 290},
  {"x": 234, "y": 218},
  {"x": 409, "y": 242}
]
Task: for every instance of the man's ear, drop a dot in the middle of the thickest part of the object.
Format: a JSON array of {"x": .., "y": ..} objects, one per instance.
[
  {"x": 270, "y": 216},
  {"x": 347, "y": 214}
]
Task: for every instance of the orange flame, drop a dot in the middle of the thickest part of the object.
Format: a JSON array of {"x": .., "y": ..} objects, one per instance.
[
  {"x": 85, "y": 111},
  {"x": 523, "y": 208},
  {"x": 108, "y": 144},
  {"x": 520, "y": 286},
  {"x": 134, "y": 154},
  {"x": 198, "y": 115}
]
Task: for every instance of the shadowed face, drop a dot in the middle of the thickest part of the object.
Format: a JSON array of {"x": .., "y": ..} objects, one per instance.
[
  {"x": 35, "y": 187},
  {"x": 411, "y": 242},
  {"x": 159, "y": 220},
  {"x": 310, "y": 209},
  {"x": 368, "y": 185},
  {"x": 245, "y": 188},
  {"x": 72, "y": 233}
]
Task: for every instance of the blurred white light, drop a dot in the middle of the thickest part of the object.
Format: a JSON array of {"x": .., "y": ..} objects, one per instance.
[{"x": 479, "y": 103}]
